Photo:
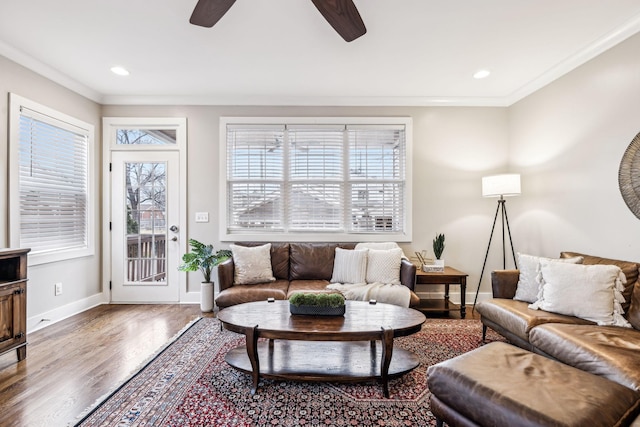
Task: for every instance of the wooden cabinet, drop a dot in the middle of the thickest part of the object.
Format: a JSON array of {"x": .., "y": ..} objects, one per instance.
[{"x": 13, "y": 301}]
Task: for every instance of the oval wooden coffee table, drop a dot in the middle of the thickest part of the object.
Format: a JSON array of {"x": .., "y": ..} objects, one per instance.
[{"x": 355, "y": 347}]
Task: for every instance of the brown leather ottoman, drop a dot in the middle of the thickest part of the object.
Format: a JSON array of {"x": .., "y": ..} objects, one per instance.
[{"x": 503, "y": 385}]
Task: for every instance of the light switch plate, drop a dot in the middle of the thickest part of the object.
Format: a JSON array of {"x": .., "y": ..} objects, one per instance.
[{"x": 202, "y": 216}]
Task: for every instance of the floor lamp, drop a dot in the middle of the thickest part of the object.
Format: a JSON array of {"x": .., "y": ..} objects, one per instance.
[{"x": 499, "y": 186}]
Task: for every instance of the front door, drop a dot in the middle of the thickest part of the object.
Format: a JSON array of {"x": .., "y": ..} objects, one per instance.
[{"x": 145, "y": 200}]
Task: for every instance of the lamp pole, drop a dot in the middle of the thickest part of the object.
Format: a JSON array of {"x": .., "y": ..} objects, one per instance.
[
  {"x": 502, "y": 208},
  {"x": 499, "y": 185}
]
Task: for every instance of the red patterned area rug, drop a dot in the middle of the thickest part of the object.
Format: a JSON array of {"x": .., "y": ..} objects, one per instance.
[{"x": 189, "y": 384}]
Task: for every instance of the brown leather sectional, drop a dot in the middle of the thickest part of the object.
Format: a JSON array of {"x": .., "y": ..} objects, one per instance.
[
  {"x": 297, "y": 267},
  {"x": 499, "y": 384},
  {"x": 505, "y": 385}
]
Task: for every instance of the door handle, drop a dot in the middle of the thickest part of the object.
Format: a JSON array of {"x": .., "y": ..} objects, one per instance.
[
  {"x": 174, "y": 228},
  {"x": 174, "y": 239}
]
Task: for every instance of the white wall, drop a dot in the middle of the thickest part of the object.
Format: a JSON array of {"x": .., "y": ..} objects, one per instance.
[
  {"x": 453, "y": 149},
  {"x": 567, "y": 140},
  {"x": 80, "y": 277}
]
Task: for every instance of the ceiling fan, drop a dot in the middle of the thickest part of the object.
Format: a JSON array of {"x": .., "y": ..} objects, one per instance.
[{"x": 341, "y": 14}]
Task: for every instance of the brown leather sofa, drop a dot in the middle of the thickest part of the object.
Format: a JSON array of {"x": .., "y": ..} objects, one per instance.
[
  {"x": 609, "y": 351},
  {"x": 600, "y": 353},
  {"x": 297, "y": 267}
]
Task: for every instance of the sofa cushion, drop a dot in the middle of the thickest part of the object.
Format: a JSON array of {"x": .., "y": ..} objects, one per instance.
[
  {"x": 518, "y": 318},
  {"x": 504, "y": 283},
  {"x": 239, "y": 294},
  {"x": 501, "y": 385},
  {"x": 591, "y": 292},
  {"x": 630, "y": 270},
  {"x": 349, "y": 266},
  {"x": 608, "y": 351},
  {"x": 634, "y": 309},
  {"x": 279, "y": 257},
  {"x": 313, "y": 260},
  {"x": 280, "y": 260},
  {"x": 383, "y": 266},
  {"x": 528, "y": 288},
  {"x": 252, "y": 264}
]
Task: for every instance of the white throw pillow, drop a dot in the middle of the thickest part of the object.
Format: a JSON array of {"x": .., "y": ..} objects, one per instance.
[
  {"x": 252, "y": 264},
  {"x": 383, "y": 266},
  {"x": 349, "y": 266},
  {"x": 528, "y": 289},
  {"x": 379, "y": 246},
  {"x": 591, "y": 292},
  {"x": 383, "y": 246}
]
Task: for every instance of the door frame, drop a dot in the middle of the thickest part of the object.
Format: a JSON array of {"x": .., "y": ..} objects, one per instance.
[{"x": 109, "y": 127}]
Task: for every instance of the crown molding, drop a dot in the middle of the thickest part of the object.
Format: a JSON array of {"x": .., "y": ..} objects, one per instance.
[
  {"x": 48, "y": 72},
  {"x": 302, "y": 101},
  {"x": 597, "y": 47}
]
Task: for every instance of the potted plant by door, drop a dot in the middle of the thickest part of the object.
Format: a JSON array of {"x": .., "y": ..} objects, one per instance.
[{"x": 203, "y": 258}]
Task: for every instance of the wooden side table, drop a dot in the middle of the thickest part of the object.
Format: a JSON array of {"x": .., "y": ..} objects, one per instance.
[{"x": 450, "y": 276}]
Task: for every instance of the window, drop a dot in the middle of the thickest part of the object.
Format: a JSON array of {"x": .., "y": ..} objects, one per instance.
[
  {"x": 50, "y": 208},
  {"x": 146, "y": 137},
  {"x": 316, "y": 179}
]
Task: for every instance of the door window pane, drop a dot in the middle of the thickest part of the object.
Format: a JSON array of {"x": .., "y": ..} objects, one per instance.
[{"x": 145, "y": 201}]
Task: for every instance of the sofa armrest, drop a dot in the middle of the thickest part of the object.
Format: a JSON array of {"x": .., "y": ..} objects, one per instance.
[
  {"x": 225, "y": 274},
  {"x": 408, "y": 274},
  {"x": 504, "y": 283}
]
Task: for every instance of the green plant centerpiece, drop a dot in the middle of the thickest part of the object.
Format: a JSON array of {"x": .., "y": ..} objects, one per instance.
[
  {"x": 317, "y": 304},
  {"x": 438, "y": 245},
  {"x": 203, "y": 258}
]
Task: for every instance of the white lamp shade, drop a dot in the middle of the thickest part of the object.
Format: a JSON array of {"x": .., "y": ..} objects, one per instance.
[{"x": 501, "y": 185}]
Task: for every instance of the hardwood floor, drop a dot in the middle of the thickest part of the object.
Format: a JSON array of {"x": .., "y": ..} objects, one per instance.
[{"x": 74, "y": 362}]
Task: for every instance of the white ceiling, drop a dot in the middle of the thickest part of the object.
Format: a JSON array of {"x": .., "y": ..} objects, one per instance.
[{"x": 283, "y": 52}]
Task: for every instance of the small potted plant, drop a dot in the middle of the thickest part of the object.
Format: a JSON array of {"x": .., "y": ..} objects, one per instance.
[
  {"x": 203, "y": 258},
  {"x": 314, "y": 304},
  {"x": 438, "y": 248}
]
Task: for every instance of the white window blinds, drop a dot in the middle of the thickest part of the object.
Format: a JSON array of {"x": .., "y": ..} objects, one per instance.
[
  {"x": 255, "y": 177},
  {"x": 53, "y": 183},
  {"x": 316, "y": 178},
  {"x": 376, "y": 177}
]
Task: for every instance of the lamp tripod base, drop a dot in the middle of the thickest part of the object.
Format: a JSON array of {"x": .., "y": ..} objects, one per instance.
[{"x": 502, "y": 209}]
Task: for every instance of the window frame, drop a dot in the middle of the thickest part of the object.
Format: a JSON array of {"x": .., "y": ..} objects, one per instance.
[
  {"x": 346, "y": 236},
  {"x": 16, "y": 103}
]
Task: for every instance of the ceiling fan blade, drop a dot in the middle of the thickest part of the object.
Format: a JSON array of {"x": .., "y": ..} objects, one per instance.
[
  {"x": 208, "y": 12},
  {"x": 343, "y": 17}
]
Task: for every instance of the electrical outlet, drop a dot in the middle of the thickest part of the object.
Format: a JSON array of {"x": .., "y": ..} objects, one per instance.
[
  {"x": 202, "y": 216},
  {"x": 58, "y": 289}
]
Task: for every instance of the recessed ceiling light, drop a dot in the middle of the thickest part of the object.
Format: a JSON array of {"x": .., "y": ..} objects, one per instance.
[
  {"x": 121, "y": 71},
  {"x": 481, "y": 74}
]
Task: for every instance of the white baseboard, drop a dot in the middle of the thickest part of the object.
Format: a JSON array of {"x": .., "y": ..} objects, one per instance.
[
  {"x": 42, "y": 320},
  {"x": 455, "y": 296},
  {"x": 190, "y": 298}
]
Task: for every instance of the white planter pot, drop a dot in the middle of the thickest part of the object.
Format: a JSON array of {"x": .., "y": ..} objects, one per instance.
[
  {"x": 439, "y": 262},
  {"x": 206, "y": 296}
]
